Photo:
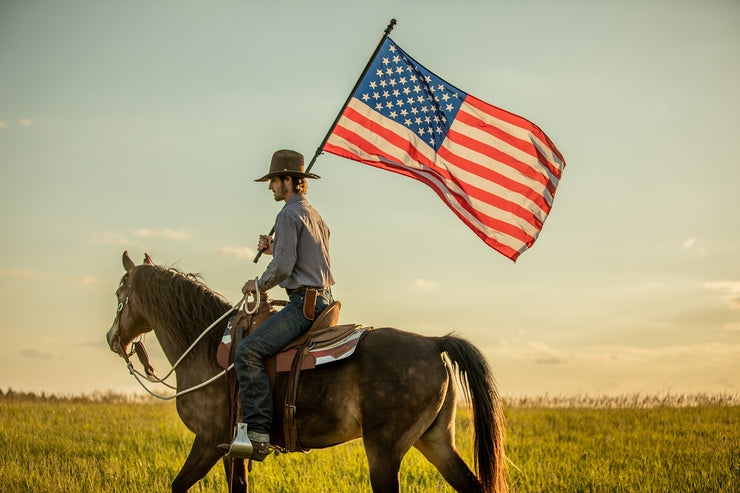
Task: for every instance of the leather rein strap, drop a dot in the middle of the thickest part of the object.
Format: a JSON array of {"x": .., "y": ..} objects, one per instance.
[{"x": 144, "y": 359}]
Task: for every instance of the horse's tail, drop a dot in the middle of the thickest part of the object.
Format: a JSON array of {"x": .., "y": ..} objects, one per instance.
[{"x": 479, "y": 388}]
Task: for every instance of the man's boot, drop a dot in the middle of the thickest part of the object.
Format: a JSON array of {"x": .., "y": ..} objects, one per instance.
[{"x": 260, "y": 444}]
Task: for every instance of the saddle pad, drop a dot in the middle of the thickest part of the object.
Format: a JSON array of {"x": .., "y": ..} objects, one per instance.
[{"x": 335, "y": 350}]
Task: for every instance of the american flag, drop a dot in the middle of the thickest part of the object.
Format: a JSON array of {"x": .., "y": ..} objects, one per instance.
[{"x": 497, "y": 171}]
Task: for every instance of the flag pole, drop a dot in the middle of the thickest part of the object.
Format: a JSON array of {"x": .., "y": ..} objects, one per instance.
[{"x": 320, "y": 149}]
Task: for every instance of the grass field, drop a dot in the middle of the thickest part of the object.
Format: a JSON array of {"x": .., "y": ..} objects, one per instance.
[{"x": 109, "y": 443}]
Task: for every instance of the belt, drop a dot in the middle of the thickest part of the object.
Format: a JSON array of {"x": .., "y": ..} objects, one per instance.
[{"x": 303, "y": 288}]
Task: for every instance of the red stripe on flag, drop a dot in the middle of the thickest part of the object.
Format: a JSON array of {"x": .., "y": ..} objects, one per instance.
[
  {"x": 504, "y": 159},
  {"x": 490, "y": 241},
  {"x": 490, "y": 174},
  {"x": 468, "y": 189},
  {"x": 369, "y": 148},
  {"x": 555, "y": 168}
]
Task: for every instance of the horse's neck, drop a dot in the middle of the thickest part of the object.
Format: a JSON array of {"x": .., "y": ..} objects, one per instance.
[
  {"x": 171, "y": 347},
  {"x": 192, "y": 367}
]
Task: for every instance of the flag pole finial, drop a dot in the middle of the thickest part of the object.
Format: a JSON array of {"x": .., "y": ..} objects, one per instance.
[{"x": 390, "y": 27}]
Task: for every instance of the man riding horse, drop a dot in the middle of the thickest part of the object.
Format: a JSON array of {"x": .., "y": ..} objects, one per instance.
[{"x": 301, "y": 265}]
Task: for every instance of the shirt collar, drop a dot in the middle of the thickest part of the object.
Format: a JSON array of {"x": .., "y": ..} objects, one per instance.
[{"x": 299, "y": 197}]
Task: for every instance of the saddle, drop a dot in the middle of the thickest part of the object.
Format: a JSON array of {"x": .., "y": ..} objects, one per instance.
[{"x": 324, "y": 342}]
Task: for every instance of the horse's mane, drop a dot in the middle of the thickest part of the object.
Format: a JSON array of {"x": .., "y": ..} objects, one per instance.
[{"x": 179, "y": 302}]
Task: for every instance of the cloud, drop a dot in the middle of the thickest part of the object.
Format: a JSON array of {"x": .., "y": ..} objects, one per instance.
[
  {"x": 694, "y": 245},
  {"x": 84, "y": 280},
  {"x": 732, "y": 288},
  {"x": 541, "y": 354},
  {"x": 40, "y": 354},
  {"x": 24, "y": 122},
  {"x": 109, "y": 238},
  {"x": 534, "y": 352},
  {"x": 145, "y": 233},
  {"x": 238, "y": 252},
  {"x": 649, "y": 286},
  {"x": 629, "y": 355},
  {"x": 723, "y": 382},
  {"x": 89, "y": 280},
  {"x": 424, "y": 284},
  {"x": 99, "y": 343},
  {"x": 732, "y": 326},
  {"x": 27, "y": 274},
  {"x": 176, "y": 235},
  {"x": 170, "y": 234},
  {"x": 117, "y": 239},
  {"x": 549, "y": 359}
]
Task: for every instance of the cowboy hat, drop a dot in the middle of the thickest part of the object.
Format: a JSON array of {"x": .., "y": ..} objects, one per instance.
[{"x": 287, "y": 163}]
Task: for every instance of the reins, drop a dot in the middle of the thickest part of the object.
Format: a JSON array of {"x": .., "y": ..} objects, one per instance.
[{"x": 149, "y": 374}]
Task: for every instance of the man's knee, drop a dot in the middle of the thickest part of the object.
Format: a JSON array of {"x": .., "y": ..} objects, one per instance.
[{"x": 247, "y": 355}]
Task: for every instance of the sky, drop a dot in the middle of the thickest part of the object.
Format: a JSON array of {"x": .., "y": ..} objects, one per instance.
[{"x": 141, "y": 126}]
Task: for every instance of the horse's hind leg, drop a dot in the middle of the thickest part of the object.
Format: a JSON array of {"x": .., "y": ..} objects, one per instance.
[
  {"x": 203, "y": 456},
  {"x": 438, "y": 446},
  {"x": 449, "y": 463}
]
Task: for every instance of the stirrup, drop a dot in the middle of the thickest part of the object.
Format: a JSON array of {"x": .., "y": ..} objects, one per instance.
[{"x": 241, "y": 447}]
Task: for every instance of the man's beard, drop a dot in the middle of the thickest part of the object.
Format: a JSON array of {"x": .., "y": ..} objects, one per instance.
[{"x": 279, "y": 192}]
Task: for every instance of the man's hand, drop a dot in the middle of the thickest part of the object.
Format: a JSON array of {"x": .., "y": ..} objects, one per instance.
[
  {"x": 249, "y": 287},
  {"x": 265, "y": 244}
]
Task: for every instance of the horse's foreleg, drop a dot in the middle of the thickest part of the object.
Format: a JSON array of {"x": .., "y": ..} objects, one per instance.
[
  {"x": 236, "y": 475},
  {"x": 203, "y": 456}
]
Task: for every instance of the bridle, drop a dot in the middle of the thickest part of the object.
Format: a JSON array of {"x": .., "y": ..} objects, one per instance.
[{"x": 149, "y": 374}]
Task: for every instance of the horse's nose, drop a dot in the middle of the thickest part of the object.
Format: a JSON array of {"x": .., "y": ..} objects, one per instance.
[{"x": 114, "y": 342}]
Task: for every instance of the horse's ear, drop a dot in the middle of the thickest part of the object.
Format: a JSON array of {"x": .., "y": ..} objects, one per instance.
[
  {"x": 148, "y": 259},
  {"x": 128, "y": 264}
]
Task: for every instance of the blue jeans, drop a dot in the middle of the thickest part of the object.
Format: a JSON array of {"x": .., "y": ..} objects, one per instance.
[{"x": 268, "y": 339}]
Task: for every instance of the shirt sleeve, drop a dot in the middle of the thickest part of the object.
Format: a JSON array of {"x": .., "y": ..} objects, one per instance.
[{"x": 284, "y": 251}]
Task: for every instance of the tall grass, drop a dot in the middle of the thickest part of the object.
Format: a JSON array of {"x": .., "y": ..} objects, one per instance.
[
  {"x": 116, "y": 443},
  {"x": 646, "y": 450},
  {"x": 628, "y": 401}
]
